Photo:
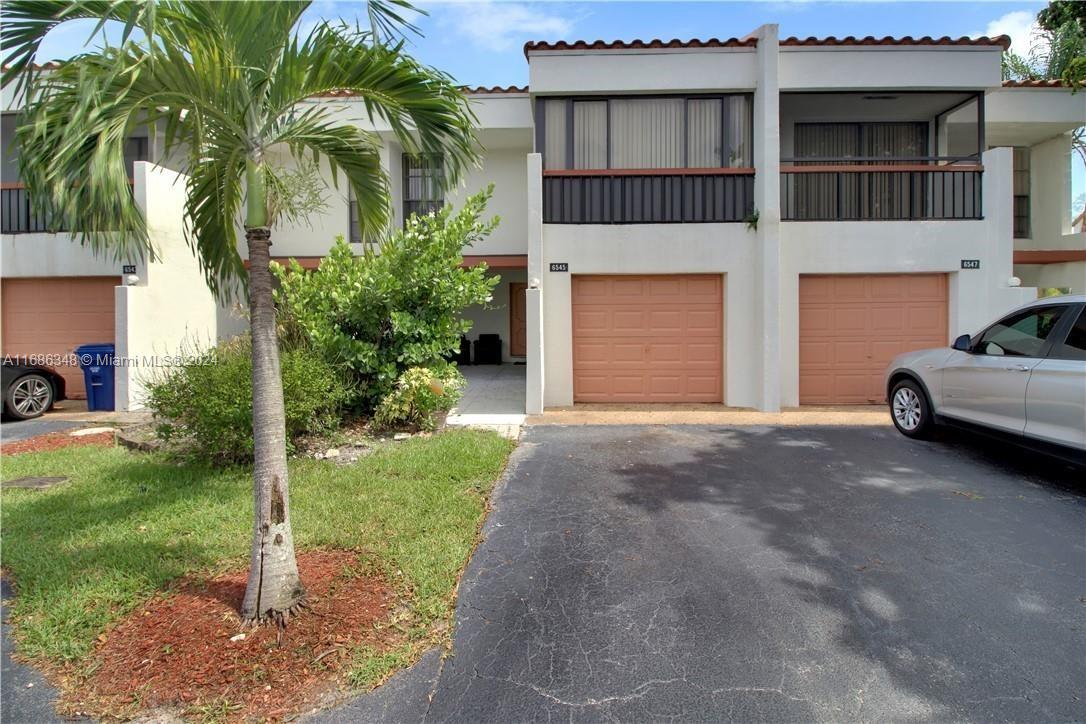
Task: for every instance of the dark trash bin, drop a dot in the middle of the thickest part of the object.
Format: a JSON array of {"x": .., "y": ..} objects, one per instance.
[
  {"x": 96, "y": 361},
  {"x": 488, "y": 349},
  {"x": 464, "y": 358}
]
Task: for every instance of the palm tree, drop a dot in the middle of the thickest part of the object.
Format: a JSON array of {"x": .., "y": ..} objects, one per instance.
[{"x": 227, "y": 83}]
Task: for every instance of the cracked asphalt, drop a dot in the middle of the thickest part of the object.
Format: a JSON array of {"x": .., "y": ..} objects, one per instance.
[{"x": 763, "y": 574}]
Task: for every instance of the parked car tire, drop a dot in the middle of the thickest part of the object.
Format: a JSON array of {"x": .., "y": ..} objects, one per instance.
[
  {"x": 910, "y": 410},
  {"x": 28, "y": 397}
]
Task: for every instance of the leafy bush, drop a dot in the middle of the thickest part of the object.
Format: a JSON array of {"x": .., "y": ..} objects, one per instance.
[
  {"x": 379, "y": 314},
  {"x": 420, "y": 394},
  {"x": 207, "y": 405}
]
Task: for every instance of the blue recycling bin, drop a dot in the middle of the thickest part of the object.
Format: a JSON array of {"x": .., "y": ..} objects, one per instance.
[{"x": 96, "y": 361}]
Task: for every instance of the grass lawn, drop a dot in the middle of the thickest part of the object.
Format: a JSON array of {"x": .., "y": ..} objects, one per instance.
[{"x": 126, "y": 524}]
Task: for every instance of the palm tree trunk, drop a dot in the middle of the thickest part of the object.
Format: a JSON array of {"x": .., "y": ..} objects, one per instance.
[{"x": 274, "y": 590}]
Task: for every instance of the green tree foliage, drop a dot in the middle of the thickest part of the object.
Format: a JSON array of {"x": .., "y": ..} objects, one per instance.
[
  {"x": 1057, "y": 52},
  {"x": 378, "y": 314}
]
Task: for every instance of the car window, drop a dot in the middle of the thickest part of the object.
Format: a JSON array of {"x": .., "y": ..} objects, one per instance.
[
  {"x": 1020, "y": 335},
  {"x": 1074, "y": 347}
]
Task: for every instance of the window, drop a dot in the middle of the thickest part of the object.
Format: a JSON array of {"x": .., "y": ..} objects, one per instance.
[
  {"x": 355, "y": 234},
  {"x": 1074, "y": 347},
  {"x": 1020, "y": 335},
  {"x": 423, "y": 185},
  {"x": 1021, "y": 193},
  {"x": 645, "y": 132}
]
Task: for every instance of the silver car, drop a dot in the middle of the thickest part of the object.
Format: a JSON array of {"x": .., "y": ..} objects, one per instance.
[{"x": 1023, "y": 376}]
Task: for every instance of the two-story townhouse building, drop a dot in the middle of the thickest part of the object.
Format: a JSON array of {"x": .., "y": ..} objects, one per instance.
[{"x": 755, "y": 222}]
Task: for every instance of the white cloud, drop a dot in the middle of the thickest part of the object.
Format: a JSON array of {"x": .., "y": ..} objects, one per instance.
[
  {"x": 1021, "y": 25},
  {"x": 503, "y": 25}
]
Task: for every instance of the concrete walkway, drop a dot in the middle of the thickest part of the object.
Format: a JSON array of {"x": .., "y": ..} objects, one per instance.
[
  {"x": 702, "y": 414},
  {"x": 493, "y": 399}
]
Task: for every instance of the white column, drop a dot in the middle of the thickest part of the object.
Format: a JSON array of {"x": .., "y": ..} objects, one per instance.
[
  {"x": 997, "y": 202},
  {"x": 534, "y": 295},
  {"x": 767, "y": 202}
]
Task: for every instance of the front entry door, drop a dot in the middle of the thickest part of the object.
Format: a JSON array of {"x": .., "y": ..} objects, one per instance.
[{"x": 518, "y": 320}]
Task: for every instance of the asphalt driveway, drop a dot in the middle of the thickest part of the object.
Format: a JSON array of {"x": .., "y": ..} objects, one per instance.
[{"x": 783, "y": 574}]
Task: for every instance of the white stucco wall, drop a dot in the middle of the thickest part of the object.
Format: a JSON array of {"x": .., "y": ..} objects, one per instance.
[
  {"x": 170, "y": 311},
  {"x": 1049, "y": 194},
  {"x": 674, "y": 70},
  {"x": 57, "y": 255},
  {"x": 1071, "y": 275},
  {"x": 505, "y": 168},
  {"x": 889, "y": 67}
]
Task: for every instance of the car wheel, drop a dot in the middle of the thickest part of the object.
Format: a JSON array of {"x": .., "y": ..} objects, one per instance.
[
  {"x": 910, "y": 410},
  {"x": 28, "y": 397}
]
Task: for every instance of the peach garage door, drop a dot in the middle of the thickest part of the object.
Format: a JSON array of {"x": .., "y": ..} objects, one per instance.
[
  {"x": 653, "y": 338},
  {"x": 54, "y": 316},
  {"x": 851, "y": 326}
]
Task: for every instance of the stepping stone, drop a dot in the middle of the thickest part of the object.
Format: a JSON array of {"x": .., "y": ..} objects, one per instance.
[
  {"x": 34, "y": 483},
  {"x": 91, "y": 431}
]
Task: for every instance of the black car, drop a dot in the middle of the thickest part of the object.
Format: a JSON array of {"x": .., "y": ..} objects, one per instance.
[{"x": 29, "y": 390}]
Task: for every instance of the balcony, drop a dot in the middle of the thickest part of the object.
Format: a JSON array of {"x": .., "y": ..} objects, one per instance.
[
  {"x": 881, "y": 155},
  {"x": 881, "y": 190},
  {"x": 648, "y": 196},
  {"x": 17, "y": 214},
  {"x": 653, "y": 159}
]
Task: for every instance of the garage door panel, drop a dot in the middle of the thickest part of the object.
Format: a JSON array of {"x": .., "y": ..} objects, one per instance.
[
  {"x": 703, "y": 321},
  {"x": 665, "y": 321},
  {"x": 654, "y": 338},
  {"x": 704, "y": 353},
  {"x": 851, "y": 326},
  {"x": 53, "y": 316}
]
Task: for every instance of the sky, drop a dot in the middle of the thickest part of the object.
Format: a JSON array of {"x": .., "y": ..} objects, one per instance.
[{"x": 481, "y": 42}]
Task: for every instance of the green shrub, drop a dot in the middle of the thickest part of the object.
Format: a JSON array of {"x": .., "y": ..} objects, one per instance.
[
  {"x": 379, "y": 314},
  {"x": 207, "y": 405},
  {"x": 420, "y": 394}
]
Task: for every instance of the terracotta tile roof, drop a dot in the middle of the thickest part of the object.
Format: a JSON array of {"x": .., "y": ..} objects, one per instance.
[
  {"x": 1003, "y": 41},
  {"x": 1057, "y": 83},
  {"x": 478, "y": 90},
  {"x": 534, "y": 45}
]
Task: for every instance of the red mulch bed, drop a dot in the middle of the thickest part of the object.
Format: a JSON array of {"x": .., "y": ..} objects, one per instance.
[
  {"x": 55, "y": 441},
  {"x": 176, "y": 652}
]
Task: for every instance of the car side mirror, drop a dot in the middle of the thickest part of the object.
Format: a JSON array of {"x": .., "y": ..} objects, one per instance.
[{"x": 963, "y": 343}]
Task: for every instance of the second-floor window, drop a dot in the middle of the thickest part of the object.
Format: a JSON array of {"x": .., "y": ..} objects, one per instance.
[
  {"x": 1021, "y": 193},
  {"x": 645, "y": 132},
  {"x": 423, "y": 185}
]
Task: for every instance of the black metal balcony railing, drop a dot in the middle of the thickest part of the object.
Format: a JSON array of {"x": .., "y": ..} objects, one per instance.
[
  {"x": 17, "y": 215},
  {"x": 903, "y": 192},
  {"x": 648, "y": 196}
]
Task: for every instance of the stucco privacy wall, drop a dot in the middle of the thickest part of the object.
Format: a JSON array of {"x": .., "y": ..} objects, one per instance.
[
  {"x": 885, "y": 247},
  {"x": 170, "y": 311}
]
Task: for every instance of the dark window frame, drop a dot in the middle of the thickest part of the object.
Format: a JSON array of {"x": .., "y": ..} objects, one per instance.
[
  {"x": 436, "y": 183},
  {"x": 1047, "y": 344},
  {"x": 540, "y": 115},
  {"x": 1022, "y": 220},
  {"x": 1059, "y": 350}
]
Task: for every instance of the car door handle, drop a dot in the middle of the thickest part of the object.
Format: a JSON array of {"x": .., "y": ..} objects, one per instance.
[{"x": 1017, "y": 368}]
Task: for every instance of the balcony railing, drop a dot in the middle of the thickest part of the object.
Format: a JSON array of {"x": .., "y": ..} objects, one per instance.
[
  {"x": 853, "y": 190},
  {"x": 648, "y": 196},
  {"x": 18, "y": 216}
]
